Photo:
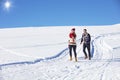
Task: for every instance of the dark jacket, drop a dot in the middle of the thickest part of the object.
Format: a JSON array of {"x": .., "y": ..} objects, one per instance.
[{"x": 86, "y": 38}]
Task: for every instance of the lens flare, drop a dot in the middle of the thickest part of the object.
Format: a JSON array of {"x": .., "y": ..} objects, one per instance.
[{"x": 7, "y": 4}]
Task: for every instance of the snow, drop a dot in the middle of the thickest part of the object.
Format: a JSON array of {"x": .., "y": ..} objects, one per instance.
[{"x": 41, "y": 53}]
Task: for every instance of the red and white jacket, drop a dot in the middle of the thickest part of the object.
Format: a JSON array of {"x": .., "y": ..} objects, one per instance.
[{"x": 72, "y": 39}]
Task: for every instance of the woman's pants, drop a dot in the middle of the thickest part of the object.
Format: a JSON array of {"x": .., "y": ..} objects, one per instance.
[{"x": 74, "y": 50}]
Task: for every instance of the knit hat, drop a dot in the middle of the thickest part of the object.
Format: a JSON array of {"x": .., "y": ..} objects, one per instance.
[{"x": 73, "y": 29}]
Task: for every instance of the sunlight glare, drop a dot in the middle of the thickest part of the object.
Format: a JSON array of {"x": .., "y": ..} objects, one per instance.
[{"x": 7, "y": 4}]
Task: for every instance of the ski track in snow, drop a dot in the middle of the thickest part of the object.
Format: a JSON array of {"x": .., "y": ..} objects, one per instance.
[{"x": 81, "y": 70}]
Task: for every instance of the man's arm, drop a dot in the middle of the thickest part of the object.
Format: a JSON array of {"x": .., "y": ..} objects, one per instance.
[
  {"x": 81, "y": 39},
  {"x": 89, "y": 37}
]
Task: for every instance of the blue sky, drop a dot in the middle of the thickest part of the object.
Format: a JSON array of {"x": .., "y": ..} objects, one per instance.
[{"x": 25, "y": 13}]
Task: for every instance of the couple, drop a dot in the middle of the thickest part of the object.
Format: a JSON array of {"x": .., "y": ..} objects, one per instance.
[{"x": 86, "y": 38}]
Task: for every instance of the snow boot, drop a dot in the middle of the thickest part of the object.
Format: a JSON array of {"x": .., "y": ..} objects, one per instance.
[
  {"x": 86, "y": 57},
  {"x": 70, "y": 58},
  {"x": 89, "y": 58},
  {"x": 76, "y": 59}
]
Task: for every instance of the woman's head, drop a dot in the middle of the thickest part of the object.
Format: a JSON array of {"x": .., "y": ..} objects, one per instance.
[{"x": 73, "y": 30}]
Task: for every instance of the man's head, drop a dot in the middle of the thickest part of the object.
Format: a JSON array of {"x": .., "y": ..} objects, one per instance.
[{"x": 85, "y": 30}]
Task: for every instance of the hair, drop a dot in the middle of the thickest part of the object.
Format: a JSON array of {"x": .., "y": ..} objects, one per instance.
[
  {"x": 85, "y": 29},
  {"x": 73, "y": 29}
]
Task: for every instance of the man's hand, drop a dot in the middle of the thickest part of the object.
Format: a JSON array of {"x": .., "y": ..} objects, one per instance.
[{"x": 80, "y": 43}]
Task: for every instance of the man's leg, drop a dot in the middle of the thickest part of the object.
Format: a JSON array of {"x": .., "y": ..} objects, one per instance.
[
  {"x": 88, "y": 48},
  {"x": 84, "y": 47}
]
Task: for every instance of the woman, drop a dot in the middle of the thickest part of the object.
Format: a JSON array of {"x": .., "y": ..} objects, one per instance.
[{"x": 72, "y": 44}]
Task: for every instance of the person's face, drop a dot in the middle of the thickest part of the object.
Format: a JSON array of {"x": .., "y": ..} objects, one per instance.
[
  {"x": 85, "y": 31},
  {"x": 72, "y": 31}
]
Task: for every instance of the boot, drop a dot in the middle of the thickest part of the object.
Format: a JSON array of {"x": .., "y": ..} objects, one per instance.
[
  {"x": 70, "y": 58},
  {"x": 89, "y": 58},
  {"x": 76, "y": 59},
  {"x": 86, "y": 57}
]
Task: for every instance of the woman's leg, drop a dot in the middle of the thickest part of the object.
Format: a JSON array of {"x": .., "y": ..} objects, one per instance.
[
  {"x": 74, "y": 49},
  {"x": 70, "y": 51}
]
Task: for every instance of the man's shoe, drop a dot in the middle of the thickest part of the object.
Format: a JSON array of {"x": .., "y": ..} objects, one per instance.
[
  {"x": 86, "y": 57},
  {"x": 89, "y": 58}
]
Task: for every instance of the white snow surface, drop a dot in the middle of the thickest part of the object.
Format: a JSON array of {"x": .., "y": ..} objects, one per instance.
[{"x": 41, "y": 53}]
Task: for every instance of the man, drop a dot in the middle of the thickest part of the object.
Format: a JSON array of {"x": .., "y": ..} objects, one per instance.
[
  {"x": 72, "y": 44},
  {"x": 86, "y": 38}
]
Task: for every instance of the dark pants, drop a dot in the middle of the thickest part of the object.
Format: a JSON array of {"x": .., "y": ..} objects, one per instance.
[
  {"x": 88, "y": 48},
  {"x": 74, "y": 50}
]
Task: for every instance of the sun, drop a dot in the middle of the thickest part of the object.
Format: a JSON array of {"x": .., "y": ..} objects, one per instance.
[{"x": 7, "y": 4}]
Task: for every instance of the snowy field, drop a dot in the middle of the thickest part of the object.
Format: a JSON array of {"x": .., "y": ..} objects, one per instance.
[{"x": 41, "y": 53}]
